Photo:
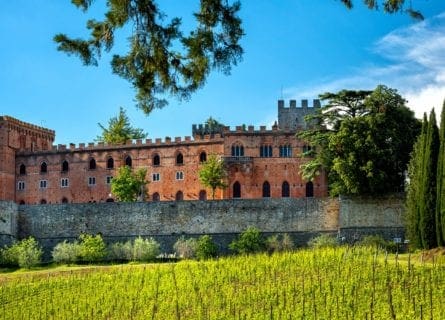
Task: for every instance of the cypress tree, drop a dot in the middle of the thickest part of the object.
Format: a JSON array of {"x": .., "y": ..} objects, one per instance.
[
  {"x": 428, "y": 186},
  {"x": 440, "y": 198},
  {"x": 415, "y": 194}
]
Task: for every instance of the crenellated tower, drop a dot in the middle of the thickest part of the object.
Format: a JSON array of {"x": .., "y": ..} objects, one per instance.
[
  {"x": 16, "y": 135},
  {"x": 292, "y": 117}
]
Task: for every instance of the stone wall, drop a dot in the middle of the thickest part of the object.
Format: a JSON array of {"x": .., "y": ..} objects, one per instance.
[
  {"x": 167, "y": 221},
  {"x": 8, "y": 222},
  {"x": 360, "y": 216}
]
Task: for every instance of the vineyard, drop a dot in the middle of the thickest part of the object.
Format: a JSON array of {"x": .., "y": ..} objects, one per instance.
[{"x": 340, "y": 283}]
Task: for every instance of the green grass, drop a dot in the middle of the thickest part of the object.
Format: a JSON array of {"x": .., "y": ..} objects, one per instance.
[{"x": 341, "y": 283}]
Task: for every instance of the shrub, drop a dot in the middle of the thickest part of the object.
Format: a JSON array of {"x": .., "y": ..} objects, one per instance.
[
  {"x": 185, "y": 248},
  {"x": 206, "y": 248},
  {"x": 92, "y": 248},
  {"x": 66, "y": 252},
  {"x": 249, "y": 241},
  {"x": 378, "y": 242},
  {"x": 323, "y": 241},
  {"x": 25, "y": 254},
  {"x": 121, "y": 251},
  {"x": 145, "y": 249},
  {"x": 281, "y": 242}
]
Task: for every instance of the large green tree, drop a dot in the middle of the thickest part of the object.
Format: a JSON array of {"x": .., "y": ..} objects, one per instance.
[
  {"x": 213, "y": 173},
  {"x": 440, "y": 200},
  {"x": 129, "y": 186},
  {"x": 120, "y": 130},
  {"x": 162, "y": 59},
  {"x": 362, "y": 139}
]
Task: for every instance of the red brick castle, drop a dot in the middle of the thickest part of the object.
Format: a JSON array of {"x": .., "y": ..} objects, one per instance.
[{"x": 261, "y": 163}]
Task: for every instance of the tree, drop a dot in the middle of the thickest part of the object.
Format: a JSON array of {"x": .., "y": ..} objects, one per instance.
[
  {"x": 128, "y": 186},
  {"x": 163, "y": 60},
  {"x": 363, "y": 140},
  {"x": 440, "y": 199},
  {"x": 119, "y": 130},
  {"x": 213, "y": 173}
]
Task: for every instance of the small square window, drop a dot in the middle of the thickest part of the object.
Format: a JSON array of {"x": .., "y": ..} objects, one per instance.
[
  {"x": 156, "y": 177},
  {"x": 91, "y": 181},
  {"x": 179, "y": 175},
  {"x": 43, "y": 184},
  {"x": 21, "y": 185},
  {"x": 108, "y": 179},
  {"x": 64, "y": 182}
]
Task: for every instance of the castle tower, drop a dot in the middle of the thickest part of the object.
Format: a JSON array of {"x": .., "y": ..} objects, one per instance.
[
  {"x": 292, "y": 118},
  {"x": 16, "y": 135}
]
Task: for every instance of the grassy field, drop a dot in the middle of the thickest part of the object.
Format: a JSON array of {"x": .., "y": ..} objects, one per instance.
[{"x": 341, "y": 283}]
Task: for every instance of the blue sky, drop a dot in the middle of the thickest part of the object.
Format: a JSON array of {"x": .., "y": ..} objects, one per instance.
[{"x": 293, "y": 50}]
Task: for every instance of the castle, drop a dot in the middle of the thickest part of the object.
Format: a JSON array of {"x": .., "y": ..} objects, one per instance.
[{"x": 262, "y": 163}]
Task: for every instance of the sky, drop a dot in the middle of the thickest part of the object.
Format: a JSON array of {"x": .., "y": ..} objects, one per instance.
[{"x": 292, "y": 50}]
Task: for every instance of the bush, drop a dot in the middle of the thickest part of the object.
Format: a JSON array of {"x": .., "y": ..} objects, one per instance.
[
  {"x": 92, "y": 248},
  {"x": 378, "y": 242},
  {"x": 206, "y": 248},
  {"x": 249, "y": 241},
  {"x": 24, "y": 254},
  {"x": 185, "y": 248},
  {"x": 278, "y": 243},
  {"x": 66, "y": 252},
  {"x": 323, "y": 241},
  {"x": 119, "y": 251},
  {"x": 145, "y": 249}
]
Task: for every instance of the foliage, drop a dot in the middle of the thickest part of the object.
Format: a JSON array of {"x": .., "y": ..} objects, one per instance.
[
  {"x": 337, "y": 283},
  {"x": 66, "y": 252},
  {"x": 249, "y": 241},
  {"x": 323, "y": 241},
  {"x": 121, "y": 251},
  {"x": 92, "y": 248},
  {"x": 363, "y": 140},
  {"x": 440, "y": 187},
  {"x": 26, "y": 253},
  {"x": 378, "y": 242},
  {"x": 128, "y": 186},
  {"x": 206, "y": 248},
  {"x": 145, "y": 249},
  {"x": 185, "y": 248},
  {"x": 213, "y": 174},
  {"x": 119, "y": 130},
  {"x": 279, "y": 243},
  {"x": 162, "y": 59},
  {"x": 421, "y": 206}
]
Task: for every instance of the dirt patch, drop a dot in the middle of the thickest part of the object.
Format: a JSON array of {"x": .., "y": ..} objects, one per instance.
[{"x": 432, "y": 255}]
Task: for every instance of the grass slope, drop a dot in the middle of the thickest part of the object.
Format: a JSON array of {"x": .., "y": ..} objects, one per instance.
[{"x": 341, "y": 283}]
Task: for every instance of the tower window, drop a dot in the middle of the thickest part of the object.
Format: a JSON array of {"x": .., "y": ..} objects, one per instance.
[
  {"x": 179, "y": 159},
  {"x": 92, "y": 164},
  {"x": 21, "y": 185},
  {"x": 156, "y": 160},
  {"x": 22, "y": 169},
  {"x": 110, "y": 163},
  {"x": 64, "y": 182},
  {"x": 203, "y": 157},
  {"x": 128, "y": 161},
  {"x": 43, "y": 167},
  {"x": 65, "y": 166}
]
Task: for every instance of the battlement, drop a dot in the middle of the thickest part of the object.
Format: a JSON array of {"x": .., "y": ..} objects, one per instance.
[
  {"x": 304, "y": 104},
  {"x": 26, "y": 128}
]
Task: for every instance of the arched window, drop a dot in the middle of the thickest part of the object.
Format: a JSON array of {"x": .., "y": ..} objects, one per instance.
[
  {"x": 64, "y": 200},
  {"x": 128, "y": 161},
  {"x": 22, "y": 169},
  {"x": 179, "y": 196},
  {"x": 110, "y": 163},
  {"x": 309, "y": 189},
  {"x": 22, "y": 202},
  {"x": 202, "y": 195},
  {"x": 65, "y": 166},
  {"x": 203, "y": 157},
  {"x": 109, "y": 200},
  {"x": 92, "y": 164},
  {"x": 156, "y": 196},
  {"x": 179, "y": 158},
  {"x": 156, "y": 160},
  {"x": 236, "y": 190},
  {"x": 43, "y": 201},
  {"x": 237, "y": 150},
  {"x": 285, "y": 190},
  {"x": 43, "y": 167},
  {"x": 266, "y": 189}
]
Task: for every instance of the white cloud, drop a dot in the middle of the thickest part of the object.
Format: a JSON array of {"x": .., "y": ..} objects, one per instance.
[{"x": 416, "y": 67}]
